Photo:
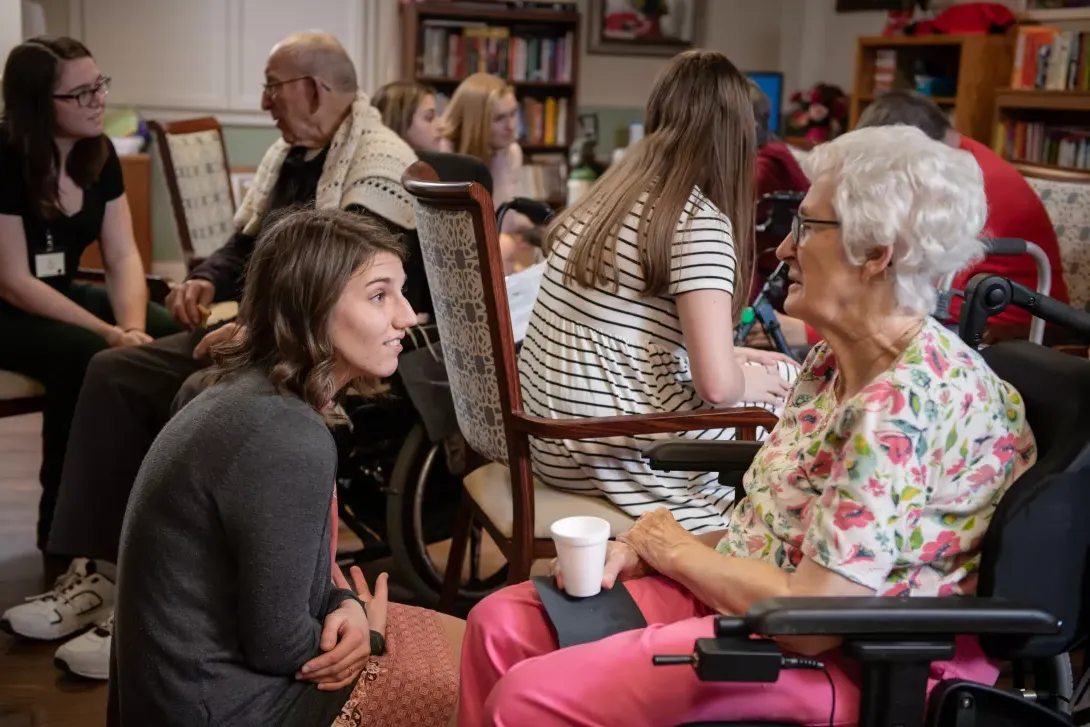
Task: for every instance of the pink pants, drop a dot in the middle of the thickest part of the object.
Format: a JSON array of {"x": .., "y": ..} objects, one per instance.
[{"x": 514, "y": 674}]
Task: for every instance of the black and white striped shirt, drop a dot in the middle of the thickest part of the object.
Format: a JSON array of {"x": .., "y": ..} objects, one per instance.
[{"x": 596, "y": 353}]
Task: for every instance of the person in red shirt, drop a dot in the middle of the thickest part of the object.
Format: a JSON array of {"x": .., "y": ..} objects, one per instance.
[
  {"x": 1014, "y": 209},
  {"x": 777, "y": 171}
]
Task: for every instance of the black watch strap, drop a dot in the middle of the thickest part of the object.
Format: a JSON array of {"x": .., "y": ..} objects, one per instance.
[{"x": 378, "y": 644}]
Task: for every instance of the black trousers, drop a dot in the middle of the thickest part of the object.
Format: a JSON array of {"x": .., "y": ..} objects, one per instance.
[
  {"x": 126, "y": 400},
  {"x": 57, "y": 355}
]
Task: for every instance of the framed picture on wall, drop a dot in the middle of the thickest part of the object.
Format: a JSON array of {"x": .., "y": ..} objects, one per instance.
[{"x": 644, "y": 27}]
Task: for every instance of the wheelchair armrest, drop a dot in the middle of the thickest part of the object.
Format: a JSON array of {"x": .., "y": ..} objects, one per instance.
[
  {"x": 691, "y": 455},
  {"x": 890, "y": 616}
]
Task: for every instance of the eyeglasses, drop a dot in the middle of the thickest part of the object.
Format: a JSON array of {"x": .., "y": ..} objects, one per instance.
[
  {"x": 269, "y": 88},
  {"x": 800, "y": 227},
  {"x": 87, "y": 96}
]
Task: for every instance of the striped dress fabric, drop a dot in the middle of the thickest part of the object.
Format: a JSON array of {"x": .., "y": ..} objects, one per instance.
[{"x": 599, "y": 352}]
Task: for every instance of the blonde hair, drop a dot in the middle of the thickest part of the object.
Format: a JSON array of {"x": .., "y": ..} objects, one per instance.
[
  {"x": 468, "y": 116},
  {"x": 398, "y": 102},
  {"x": 699, "y": 133}
]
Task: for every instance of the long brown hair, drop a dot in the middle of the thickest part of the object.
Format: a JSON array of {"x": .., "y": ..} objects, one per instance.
[
  {"x": 300, "y": 266},
  {"x": 29, "y": 122},
  {"x": 699, "y": 133},
  {"x": 398, "y": 102},
  {"x": 468, "y": 117}
]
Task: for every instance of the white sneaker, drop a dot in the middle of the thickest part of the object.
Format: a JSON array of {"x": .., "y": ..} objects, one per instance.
[
  {"x": 88, "y": 655},
  {"x": 81, "y": 597}
]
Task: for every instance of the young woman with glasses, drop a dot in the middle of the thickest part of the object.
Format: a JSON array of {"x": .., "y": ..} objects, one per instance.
[{"x": 61, "y": 189}]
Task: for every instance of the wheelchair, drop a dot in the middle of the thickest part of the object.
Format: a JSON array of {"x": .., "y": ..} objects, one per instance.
[
  {"x": 1025, "y": 612},
  {"x": 398, "y": 490}
]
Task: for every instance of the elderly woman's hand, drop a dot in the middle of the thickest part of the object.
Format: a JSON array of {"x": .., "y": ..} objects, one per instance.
[
  {"x": 622, "y": 564},
  {"x": 656, "y": 538}
]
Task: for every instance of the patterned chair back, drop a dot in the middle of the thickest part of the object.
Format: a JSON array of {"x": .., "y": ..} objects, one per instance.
[
  {"x": 459, "y": 243},
  {"x": 199, "y": 179},
  {"x": 1068, "y": 205}
]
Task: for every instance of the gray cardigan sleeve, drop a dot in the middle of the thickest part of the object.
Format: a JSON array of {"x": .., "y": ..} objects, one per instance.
[{"x": 275, "y": 509}]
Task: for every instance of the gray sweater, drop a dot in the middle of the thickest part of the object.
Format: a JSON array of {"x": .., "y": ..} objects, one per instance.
[{"x": 224, "y": 573}]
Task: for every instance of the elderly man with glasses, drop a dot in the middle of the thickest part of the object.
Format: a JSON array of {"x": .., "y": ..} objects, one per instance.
[{"x": 333, "y": 152}]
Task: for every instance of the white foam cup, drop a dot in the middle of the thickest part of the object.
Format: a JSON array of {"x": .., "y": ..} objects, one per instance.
[{"x": 581, "y": 549}]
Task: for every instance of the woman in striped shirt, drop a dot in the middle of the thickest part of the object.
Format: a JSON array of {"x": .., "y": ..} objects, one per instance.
[{"x": 645, "y": 277}]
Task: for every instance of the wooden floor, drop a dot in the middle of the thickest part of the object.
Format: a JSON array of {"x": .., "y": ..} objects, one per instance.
[{"x": 32, "y": 690}]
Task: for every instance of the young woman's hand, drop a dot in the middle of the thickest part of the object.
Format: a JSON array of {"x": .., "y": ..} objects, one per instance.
[
  {"x": 118, "y": 338},
  {"x": 764, "y": 386},
  {"x": 768, "y": 359},
  {"x": 346, "y": 634},
  {"x": 378, "y": 604}
]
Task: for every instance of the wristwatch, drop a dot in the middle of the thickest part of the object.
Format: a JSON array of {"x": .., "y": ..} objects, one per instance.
[{"x": 378, "y": 644}]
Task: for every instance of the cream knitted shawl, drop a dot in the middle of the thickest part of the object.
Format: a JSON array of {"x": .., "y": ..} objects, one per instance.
[{"x": 363, "y": 167}]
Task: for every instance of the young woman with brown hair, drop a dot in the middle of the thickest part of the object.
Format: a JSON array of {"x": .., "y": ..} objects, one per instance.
[
  {"x": 410, "y": 110},
  {"x": 224, "y": 580},
  {"x": 645, "y": 278}
]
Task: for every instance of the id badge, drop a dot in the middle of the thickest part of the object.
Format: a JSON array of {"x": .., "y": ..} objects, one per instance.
[{"x": 49, "y": 264}]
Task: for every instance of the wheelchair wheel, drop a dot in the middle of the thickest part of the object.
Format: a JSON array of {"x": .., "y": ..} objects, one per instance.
[{"x": 420, "y": 508}]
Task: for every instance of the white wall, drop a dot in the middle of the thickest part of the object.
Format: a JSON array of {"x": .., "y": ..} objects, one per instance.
[
  {"x": 11, "y": 27},
  {"x": 819, "y": 43},
  {"x": 208, "y": 56},
  {"x": 748, "y": 31}
]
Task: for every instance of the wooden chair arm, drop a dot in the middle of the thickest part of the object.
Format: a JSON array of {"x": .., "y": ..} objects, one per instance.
[
  {"x": 745, "y": 419},
  {"x": 158, "y": 288}
]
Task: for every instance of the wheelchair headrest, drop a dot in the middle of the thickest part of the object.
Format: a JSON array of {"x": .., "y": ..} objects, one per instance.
[
  {"x": 1035, "y": 550},
  {"x": 458, "y": 168}
]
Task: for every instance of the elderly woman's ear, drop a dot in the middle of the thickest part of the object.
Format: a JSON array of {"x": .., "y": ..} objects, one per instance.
[{"x": 878, "y": 262}]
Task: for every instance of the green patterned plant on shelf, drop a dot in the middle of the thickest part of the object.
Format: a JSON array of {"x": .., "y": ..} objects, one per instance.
[{"x": 818, "y": 114}]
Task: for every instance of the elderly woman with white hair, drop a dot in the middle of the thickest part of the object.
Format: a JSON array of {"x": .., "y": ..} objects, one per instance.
[{"x": 894, "y": 447}]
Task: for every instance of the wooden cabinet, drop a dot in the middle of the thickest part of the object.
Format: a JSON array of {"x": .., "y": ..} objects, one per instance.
[
  {"x": 136, "y": 170},
  {"x": 981, "y": 65}
]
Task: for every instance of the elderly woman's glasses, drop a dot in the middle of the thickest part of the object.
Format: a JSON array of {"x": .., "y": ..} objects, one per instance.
[
  {"x": 802, "y": 226},
  {"x": 87, "y": 96}
]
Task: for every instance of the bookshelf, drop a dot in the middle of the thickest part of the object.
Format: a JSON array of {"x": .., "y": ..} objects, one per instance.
[
  {"x": 966, "y": 71},
  {"x": 1043, "y": 118},
  {"x": 533, "y": 46}
]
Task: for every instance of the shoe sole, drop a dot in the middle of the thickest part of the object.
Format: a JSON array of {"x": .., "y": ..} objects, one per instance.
[
  {"x": 89, "y": 620},
  {"x": 67, "y": 669}
]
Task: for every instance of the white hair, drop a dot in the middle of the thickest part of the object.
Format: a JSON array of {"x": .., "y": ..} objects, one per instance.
[{"x": 895, "y": 186}]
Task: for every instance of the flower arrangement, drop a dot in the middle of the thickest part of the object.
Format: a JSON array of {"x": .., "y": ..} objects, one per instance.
[{"x": 818, "y": 114}]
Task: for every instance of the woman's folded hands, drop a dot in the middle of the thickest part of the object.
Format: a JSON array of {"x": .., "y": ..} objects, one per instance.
[{"x": 346, "y": 633}]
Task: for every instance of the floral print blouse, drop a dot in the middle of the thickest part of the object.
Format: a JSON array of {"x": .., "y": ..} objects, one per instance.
[{"x": 893, "y": 488}]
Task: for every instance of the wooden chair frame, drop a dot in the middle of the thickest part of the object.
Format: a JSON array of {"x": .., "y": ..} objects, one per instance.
[{"x": 187, "y": 126}]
